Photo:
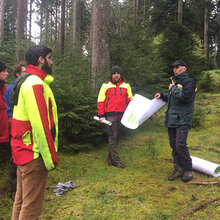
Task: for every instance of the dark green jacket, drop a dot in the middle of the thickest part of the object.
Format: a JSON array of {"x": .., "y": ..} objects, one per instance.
[{"x": 180, "y": 101}]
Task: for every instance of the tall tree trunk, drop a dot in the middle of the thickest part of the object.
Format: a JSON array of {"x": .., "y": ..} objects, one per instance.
[
  {"x": 21, "y": 25},
  {"x": 56, "y": 22},
  {"x": 2, "y": 9},
  {"x": 136, "y": 6},
  {"x": 180, "y": 12},
  {"x": 206, "y": 21},
  {"x": 30, "y": 19},
  {"x": 62, "y": 34},
  {"x": 74, "y": 21},
  {"x": 100, "y": 40},
  {"x": 215, "y": 50}
]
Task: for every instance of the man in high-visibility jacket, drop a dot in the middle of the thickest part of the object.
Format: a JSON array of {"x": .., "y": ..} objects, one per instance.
[
  {"x": 113, "y": 99},
  {"x": 34, "y": 133}
]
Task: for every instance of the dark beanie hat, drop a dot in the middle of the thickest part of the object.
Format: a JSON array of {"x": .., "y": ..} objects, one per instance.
[
  {"x": 116, "y": 69},
  {"x": 2, "y": 66},
  {"x": 34, "y": 52}
]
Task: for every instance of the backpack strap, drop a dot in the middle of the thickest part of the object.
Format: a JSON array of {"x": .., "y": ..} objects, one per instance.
[{"x": 16, "y": 88}]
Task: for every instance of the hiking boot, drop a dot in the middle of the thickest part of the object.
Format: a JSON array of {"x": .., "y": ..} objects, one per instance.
[
  {"x": 187, "y": 176},
  {"x": 178, "y": 172},
  {"x": 120, "y": 165}
]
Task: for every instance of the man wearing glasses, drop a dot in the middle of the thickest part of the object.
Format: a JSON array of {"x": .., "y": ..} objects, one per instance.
[
  {"x": 113, "y": 99},
  {"x": 181, "y": 97}
]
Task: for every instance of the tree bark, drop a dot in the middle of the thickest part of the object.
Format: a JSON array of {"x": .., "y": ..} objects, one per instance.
[
  {"x": 100, "y": 41},
  {"x": 30, "y": 19},
  {"x": 62, "y": 34},
  {"x": 74, "y": 21},
  {"x": 21, "y": 27},
  {"x": 180, "y": 12},
  {"x": 2, "y": 9},
  {"x": 206, "y": 21}
]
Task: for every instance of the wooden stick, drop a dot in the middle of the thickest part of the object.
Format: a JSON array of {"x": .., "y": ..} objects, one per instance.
[
  {"x": 204, "y": 182},
  {"x": 200, "y": 206}
]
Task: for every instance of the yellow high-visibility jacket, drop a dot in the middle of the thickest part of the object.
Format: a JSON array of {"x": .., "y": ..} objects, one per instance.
[{"x": 35, "y": 122}]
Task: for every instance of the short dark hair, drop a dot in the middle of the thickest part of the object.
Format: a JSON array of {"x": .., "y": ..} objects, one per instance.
[
  {"x": 17, "y": 69},
  {"x": 33, "y": 53}
]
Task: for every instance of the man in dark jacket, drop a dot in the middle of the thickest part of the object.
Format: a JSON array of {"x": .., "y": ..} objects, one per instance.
[
  {"x": 181, "y": 97},
  {"x": 113, "y": 99}
]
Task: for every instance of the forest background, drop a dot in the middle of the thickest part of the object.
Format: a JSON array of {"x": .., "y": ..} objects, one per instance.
[{"x": 87, "y": 37}]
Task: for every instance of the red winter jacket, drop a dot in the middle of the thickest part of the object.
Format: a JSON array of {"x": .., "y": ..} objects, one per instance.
[
  {"x": 113, "y": 99},
  {"x": 4, "y": 132}
]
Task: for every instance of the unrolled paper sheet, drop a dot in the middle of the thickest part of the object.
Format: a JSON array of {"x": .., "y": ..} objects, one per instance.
[{"x": 139, "y": 110}]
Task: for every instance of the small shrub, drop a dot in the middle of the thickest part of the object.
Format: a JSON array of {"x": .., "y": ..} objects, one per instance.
[{"x": 198, "y": 118}]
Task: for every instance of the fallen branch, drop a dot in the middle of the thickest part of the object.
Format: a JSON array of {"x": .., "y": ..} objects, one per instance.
[
  {"x": 200, "y": 206},
  {"x": 204, "y": 182}
]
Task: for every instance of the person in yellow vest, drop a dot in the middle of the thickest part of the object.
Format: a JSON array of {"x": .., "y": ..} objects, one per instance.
[{"x": 34, "y": 133}]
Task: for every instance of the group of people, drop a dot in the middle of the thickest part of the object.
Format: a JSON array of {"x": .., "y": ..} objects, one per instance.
[
  {"x": 31, "y": 124},
  {"x": 115, "y": 95}
]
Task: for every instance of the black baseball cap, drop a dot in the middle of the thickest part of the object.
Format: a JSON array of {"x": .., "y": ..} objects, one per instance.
[{"x": 179, "y": 63}]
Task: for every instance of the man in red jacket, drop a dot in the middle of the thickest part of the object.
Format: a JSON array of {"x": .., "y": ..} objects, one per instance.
[
  {"x": 113, "y": 99},
  {"x": 4, "y": 132}
]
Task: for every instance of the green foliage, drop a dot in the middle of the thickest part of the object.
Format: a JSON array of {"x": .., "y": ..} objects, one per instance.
[
  {"x": 210, "y": 81},
  {"x": 179, "y": 42},
  {"x": 76, "y": 101},
  {"x": 132, "y": 48},
  {"x": 198, "y": 117}
]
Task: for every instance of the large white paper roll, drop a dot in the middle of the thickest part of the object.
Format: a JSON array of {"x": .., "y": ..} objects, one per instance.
[
  {"x": 205, "y": 166},
  {"x": 139, "y": 110}
]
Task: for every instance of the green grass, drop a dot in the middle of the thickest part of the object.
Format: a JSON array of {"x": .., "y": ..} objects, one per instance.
[{"x": 140, "y": 191}]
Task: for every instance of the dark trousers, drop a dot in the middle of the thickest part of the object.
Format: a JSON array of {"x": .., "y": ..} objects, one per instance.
[
  {"x": 113, "y": 132},
  {"x": 180, "y": 151},
  {"x": 13, "y": 176}
]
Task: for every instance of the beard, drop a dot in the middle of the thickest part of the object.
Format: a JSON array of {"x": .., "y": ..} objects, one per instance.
[{"x": 47, "y": 68}]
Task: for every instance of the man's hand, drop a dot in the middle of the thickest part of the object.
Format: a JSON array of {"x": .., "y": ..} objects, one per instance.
[
  {"x": 171, "y": 85},
  {"x": 102, "y": 119},
  {"x": 157, "y": 96}
]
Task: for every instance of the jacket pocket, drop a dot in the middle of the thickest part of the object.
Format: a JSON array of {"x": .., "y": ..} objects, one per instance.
[
  {"x": 172, "y": 120},
  {"x": 26, "y": 138}
]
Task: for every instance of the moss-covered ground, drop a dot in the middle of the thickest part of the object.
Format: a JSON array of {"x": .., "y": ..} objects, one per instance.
[{"x": 141, "y": 190}]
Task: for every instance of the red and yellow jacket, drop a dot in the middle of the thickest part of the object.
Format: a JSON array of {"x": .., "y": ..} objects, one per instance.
[
  {"x": 113, "y": 99},
  {"x": 35, "y": 122},
  {"x": 4, "y": 132}
]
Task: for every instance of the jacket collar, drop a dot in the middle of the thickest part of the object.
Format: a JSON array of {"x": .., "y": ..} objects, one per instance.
[
  {"x": 180, "y": 76},
  {"x": 47, "y": 78}
]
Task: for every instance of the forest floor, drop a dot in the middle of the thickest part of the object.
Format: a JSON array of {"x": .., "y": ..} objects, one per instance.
[{"x": 141, "y": 190}]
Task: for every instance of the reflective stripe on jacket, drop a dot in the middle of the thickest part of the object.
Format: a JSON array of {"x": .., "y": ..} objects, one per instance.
[
  {"x": 35, "y": 123},
  {"x": 113, "y": 99}
]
